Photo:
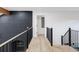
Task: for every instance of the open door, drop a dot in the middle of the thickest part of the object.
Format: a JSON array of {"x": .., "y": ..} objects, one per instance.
[{"x": 40, "y": 25}]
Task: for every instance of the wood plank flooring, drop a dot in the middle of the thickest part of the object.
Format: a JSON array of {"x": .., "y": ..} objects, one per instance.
[{"x": 41, "y": 44}]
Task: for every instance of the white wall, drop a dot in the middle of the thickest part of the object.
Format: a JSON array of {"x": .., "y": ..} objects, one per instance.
[
  {"x": 60, "y": 18},
  {"x": 60, "y": 21}
]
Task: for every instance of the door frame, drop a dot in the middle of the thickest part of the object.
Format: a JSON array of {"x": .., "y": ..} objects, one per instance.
[{"x": 41, "y": 24}]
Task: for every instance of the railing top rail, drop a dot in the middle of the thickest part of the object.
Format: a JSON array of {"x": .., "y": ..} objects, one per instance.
[
  {"x": 66, "y": 32},
  {"x": 15, "y": 37},
  {"x": 75, "y": 30}
]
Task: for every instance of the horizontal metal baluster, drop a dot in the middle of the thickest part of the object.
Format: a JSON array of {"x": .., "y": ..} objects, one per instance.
[
  {"x": 8, "y": 48},
  {"x": 0, "y": 49},
  {"x": 4, "y": 48}
]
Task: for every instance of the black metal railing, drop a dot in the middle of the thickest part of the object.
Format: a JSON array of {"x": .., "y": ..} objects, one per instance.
[
  {"x": 71, "y": 38},
  {"x": 66, "y": 38},
  {"x": 19, "y": 42},
  {"x": 50, "y": 35}
]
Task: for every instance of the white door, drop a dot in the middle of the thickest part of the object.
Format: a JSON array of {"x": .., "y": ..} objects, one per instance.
[{"x": 40, "y": 25}]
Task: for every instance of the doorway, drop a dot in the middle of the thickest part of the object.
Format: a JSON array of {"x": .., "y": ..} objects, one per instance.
[{"x": 40, "y": 25}]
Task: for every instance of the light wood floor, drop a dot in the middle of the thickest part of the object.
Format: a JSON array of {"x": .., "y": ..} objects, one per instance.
[{"x": 41, "y": 44}]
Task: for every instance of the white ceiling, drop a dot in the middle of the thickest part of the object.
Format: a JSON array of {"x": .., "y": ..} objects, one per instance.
[{"x": 42, "y": 9}]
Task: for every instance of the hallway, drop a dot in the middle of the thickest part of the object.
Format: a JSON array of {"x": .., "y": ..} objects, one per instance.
[
  {"x": 41, "y": 44},
  {"x": 20, "y": 29}
]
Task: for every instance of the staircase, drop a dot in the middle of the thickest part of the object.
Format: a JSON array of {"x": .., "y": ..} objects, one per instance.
[{"x": 41, "y": 44}]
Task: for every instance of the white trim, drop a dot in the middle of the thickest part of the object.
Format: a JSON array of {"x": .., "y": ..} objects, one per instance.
[{"x": 14, "y": 37}]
